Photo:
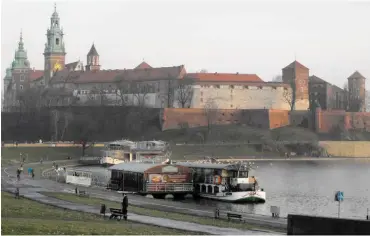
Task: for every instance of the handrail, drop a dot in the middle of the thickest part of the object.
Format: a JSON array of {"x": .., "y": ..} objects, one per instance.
[{"x": 169, "y": 187}]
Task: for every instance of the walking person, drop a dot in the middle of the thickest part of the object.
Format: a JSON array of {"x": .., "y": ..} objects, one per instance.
[{"x": 124, "y": 206}]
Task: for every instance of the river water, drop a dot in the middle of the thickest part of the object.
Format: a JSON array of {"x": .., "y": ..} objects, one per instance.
[{"x": 304, "y": 187}]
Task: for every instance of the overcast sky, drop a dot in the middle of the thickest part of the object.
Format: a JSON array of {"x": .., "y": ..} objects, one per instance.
[{"x": 331, "y": 38}]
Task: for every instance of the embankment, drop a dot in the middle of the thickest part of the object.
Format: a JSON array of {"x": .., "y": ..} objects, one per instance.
[
  {"x": 347, "y": 148},
  {"x": 314, "y": 225}
]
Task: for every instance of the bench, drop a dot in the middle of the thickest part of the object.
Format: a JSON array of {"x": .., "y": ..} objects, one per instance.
[
  {"x": 116, "y": 213},
  {"x": 234, "y": 216},
  {"x": 83, "y": 193}
]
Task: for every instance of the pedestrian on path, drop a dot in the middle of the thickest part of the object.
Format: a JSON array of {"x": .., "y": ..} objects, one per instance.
[{"x": 124, "y": 206}]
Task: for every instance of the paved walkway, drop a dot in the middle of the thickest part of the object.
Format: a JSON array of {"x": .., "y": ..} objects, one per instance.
[{"x": 31, "y": 189}]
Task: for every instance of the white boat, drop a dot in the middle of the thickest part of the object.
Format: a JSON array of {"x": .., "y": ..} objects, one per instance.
[
  {"x": 127, "y": 151},
  {"x": 226, "y": 182}
]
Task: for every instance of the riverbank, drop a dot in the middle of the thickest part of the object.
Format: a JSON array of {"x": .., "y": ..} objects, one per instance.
[
  {"x": 23, "y": 216},
  {"x": 294, "y": 159},
  {"x": 34, "y": 188}
]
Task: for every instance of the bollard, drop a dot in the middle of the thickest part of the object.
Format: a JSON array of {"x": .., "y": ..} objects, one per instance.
[
  {"x": 76, "y": 191},
  {"x": 102, "y": 210},
  {"x": 217, "y": 213}
]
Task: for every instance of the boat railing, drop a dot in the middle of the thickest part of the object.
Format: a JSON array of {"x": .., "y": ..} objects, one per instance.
[{"x": 169, "y": 187}]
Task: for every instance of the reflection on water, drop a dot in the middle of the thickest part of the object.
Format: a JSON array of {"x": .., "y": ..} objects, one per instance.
[{"x": 308, "y": 187}]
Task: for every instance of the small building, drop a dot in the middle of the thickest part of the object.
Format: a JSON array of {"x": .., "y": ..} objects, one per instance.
[{"x": 156, "y": 179}]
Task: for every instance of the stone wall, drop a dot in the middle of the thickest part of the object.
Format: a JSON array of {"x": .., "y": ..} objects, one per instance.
[
  {"x": 241, "y": 96},
  {"x": 347, "y": 148},
  {"x": 314, "y": 225},
  {"x": 326, "y": 121},
  {"x": 175, "y": 118}
]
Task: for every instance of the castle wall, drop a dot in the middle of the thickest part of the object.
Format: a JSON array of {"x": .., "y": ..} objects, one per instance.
[
  {"x": 328, "y": 120},
  {"x": 175, "y": 118},
  {"x": 240, "y": 97}
]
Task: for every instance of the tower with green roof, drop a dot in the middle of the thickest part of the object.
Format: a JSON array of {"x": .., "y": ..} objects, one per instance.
[{"x": 20, "y": 68}]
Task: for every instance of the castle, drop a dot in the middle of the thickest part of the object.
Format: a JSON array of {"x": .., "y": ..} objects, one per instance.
[{"x": 65, "y": 84}]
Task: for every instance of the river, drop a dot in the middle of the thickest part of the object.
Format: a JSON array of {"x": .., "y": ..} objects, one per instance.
[{"x": 304, "y": 187}]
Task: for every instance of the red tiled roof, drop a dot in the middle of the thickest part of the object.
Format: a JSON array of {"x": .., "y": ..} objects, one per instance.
[
  {"x": 224, "y": 77},
  {"x": 295, "y": 64},
  {"x": 143, "y": 65},
  {"x": 110, "y": 76},
  {"x": 35, "y": 74}
]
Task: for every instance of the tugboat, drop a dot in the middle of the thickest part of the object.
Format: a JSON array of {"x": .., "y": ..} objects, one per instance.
[{"x": 226, "y": 182}]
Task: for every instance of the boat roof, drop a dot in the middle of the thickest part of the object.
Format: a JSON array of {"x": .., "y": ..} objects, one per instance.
[
  {"x": 134, "y": 166},
  {"x": 209, "y": 165}
]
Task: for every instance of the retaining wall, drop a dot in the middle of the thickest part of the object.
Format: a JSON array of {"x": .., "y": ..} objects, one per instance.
[
  {"x": 313, "y": 225},
  {"x": 347, "y": 148}
]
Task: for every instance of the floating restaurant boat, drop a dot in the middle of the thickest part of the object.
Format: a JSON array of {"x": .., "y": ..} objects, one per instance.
[
  {"x": 128, "y": 151},
  {"x": 151, "y": 178},
  {"x": 226, "y": 182}
]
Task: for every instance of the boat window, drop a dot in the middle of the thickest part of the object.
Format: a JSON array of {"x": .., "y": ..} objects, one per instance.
[
  {"x": 229, "y": 194},
  {"x": 243, "y": 174}
]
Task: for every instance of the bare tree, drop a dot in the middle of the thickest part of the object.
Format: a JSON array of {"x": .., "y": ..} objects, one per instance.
[
  {"x": 184, "y": 94},
  {"x": 140, "y": 92},
  {"x": 97, "y": 96},
  {"x": 289, "y": 97},
  {"x": 277, "y": 78},
  {"x": 122, "y": 91},
  {"x": 203, "y": 71},
  {"x": 168, "y": 97},
  {"x": 210, "y": 112}
]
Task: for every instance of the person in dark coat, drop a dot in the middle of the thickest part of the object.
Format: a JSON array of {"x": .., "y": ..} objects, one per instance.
[{"x": 124, "y": 205}]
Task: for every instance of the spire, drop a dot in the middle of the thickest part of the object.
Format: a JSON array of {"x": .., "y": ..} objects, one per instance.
[
  {"x": 93, "y": 51},
  {"x": 55, "y": 7},
  {"x": 20, "y": 44}
]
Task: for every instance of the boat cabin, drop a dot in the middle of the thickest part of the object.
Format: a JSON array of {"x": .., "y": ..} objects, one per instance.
[
  {"x": 127, "y": 151},
  {"x": 151, "y": 178},
  {"x": 212, "y": 178}
]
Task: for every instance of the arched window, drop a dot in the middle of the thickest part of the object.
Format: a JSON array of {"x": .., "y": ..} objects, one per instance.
[
  {"x": 21, "y": 78},
  {"x": 57, "y": 41},
  {"x": 21, "y": 87}
]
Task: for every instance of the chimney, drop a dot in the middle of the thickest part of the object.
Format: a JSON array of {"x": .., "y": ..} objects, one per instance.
[
  {"x": 237, "y": 73},
  {"x": 215, "y": 73}
]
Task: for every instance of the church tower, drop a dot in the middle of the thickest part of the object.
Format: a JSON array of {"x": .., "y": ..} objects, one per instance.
[
  {"x": 92, "y": 60},
  {"x": 54, "y": 53},
  {"x": 20, "y": 68}
]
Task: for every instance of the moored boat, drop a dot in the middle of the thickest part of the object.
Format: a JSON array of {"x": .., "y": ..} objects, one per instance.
[{"x": 226, "y": 182}]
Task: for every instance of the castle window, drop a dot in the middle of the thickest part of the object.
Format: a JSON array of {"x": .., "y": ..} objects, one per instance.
[
  {"x": 57, "y": 41},
  {"x": 21, "y": 87},
  {"x": 201, "y": 100},
  {"x": 22, "y": 78}
]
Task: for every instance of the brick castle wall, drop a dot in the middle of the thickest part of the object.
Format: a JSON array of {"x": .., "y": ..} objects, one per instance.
[{"x": 321, "y": 121}]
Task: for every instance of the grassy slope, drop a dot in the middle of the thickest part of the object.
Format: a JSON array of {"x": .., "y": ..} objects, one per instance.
[
  {"x": 28, "y": 217},
  {"x": 149, "y": 212},
  {"x": 11, "y": 155}
]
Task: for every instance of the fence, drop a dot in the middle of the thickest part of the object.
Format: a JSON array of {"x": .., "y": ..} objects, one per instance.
[{"x": 169, "y": 187}]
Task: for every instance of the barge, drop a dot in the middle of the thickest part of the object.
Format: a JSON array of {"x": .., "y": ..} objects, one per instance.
[{"x": 152, "y": 178}]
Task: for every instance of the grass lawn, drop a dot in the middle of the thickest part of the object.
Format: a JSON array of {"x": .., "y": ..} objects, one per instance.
[
  {"x": 149, "y": 212},
  {"x": 22, "y": 216},
  {"x": 11, "y": 155}
]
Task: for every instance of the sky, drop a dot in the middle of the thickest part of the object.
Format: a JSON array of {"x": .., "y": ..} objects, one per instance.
[{"x": 332, "y": 38}]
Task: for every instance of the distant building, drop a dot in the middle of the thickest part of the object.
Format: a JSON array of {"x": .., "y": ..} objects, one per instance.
[
  {"x": 328, "y": 96},
  {"x": 357, "y": 92}
]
